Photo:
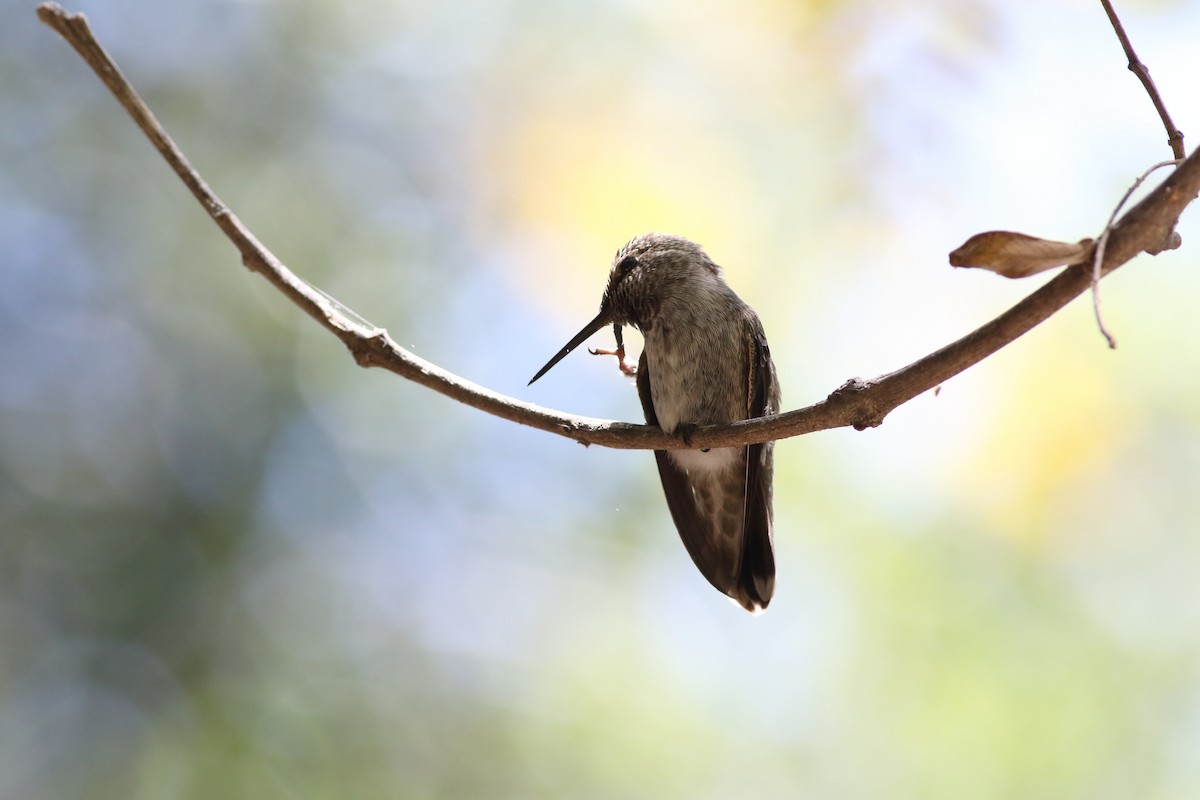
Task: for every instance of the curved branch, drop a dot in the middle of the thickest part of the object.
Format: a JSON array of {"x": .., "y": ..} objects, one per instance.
[{"x": 858, "y": 404}]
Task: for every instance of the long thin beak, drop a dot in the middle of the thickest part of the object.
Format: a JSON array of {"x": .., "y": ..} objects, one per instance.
[{"x": 599, "y": 322}]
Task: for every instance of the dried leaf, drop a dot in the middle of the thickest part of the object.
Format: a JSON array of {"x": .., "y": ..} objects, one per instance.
[{"x": 1017, "y": 255}]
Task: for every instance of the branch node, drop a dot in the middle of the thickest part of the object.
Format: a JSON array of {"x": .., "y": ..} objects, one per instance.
[
  {"x": 372, "y": 349},
  {"x": 1172, "y": 241},
  {"x": 571, "y": 429},
  {"x": 363, "y": 356},
  {"x": 853, "y": 386},
  {"x": 852, "y": 394}
]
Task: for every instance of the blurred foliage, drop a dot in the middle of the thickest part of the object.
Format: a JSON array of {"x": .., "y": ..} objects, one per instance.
[{"x": 234, "y": 565}]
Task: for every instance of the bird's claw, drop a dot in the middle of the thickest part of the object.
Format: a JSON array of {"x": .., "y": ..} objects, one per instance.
[
  {"x": 626, "y": 368},
  {"x": 685, "y": 430}
]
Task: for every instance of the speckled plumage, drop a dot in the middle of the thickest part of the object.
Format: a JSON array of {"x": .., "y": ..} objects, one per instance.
[{"x": 705, "y": 361}]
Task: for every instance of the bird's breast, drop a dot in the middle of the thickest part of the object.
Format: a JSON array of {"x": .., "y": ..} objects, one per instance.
[{"x": 697, "y": 372}]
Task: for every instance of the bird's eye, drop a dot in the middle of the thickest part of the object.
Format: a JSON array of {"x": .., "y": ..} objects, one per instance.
[{"x": 626, "y": 265}]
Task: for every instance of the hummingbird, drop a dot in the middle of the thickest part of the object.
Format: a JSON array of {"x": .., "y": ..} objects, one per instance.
[{"x": 704, "y": 361}]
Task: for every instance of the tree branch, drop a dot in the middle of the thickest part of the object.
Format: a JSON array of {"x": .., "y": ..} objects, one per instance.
[
  {"x": 858, "y": 404},
  {"x": 1174, "y": 135}
]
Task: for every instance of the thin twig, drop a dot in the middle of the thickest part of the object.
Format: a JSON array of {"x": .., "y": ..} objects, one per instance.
[
  {"x": 1102, "y": 245},
  {"x": 856, "y": 403},
  {"x": 1174, "y": 135},
  {"x": 1104, "y": 331}
]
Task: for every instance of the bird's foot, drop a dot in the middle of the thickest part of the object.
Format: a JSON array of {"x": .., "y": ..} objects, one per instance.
[
  {"x": 626, "y": 368},
  {"x": 685, "y": 430}
]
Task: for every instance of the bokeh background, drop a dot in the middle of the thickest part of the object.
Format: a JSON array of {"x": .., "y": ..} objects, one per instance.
[{"x": 235, "y": 565}]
